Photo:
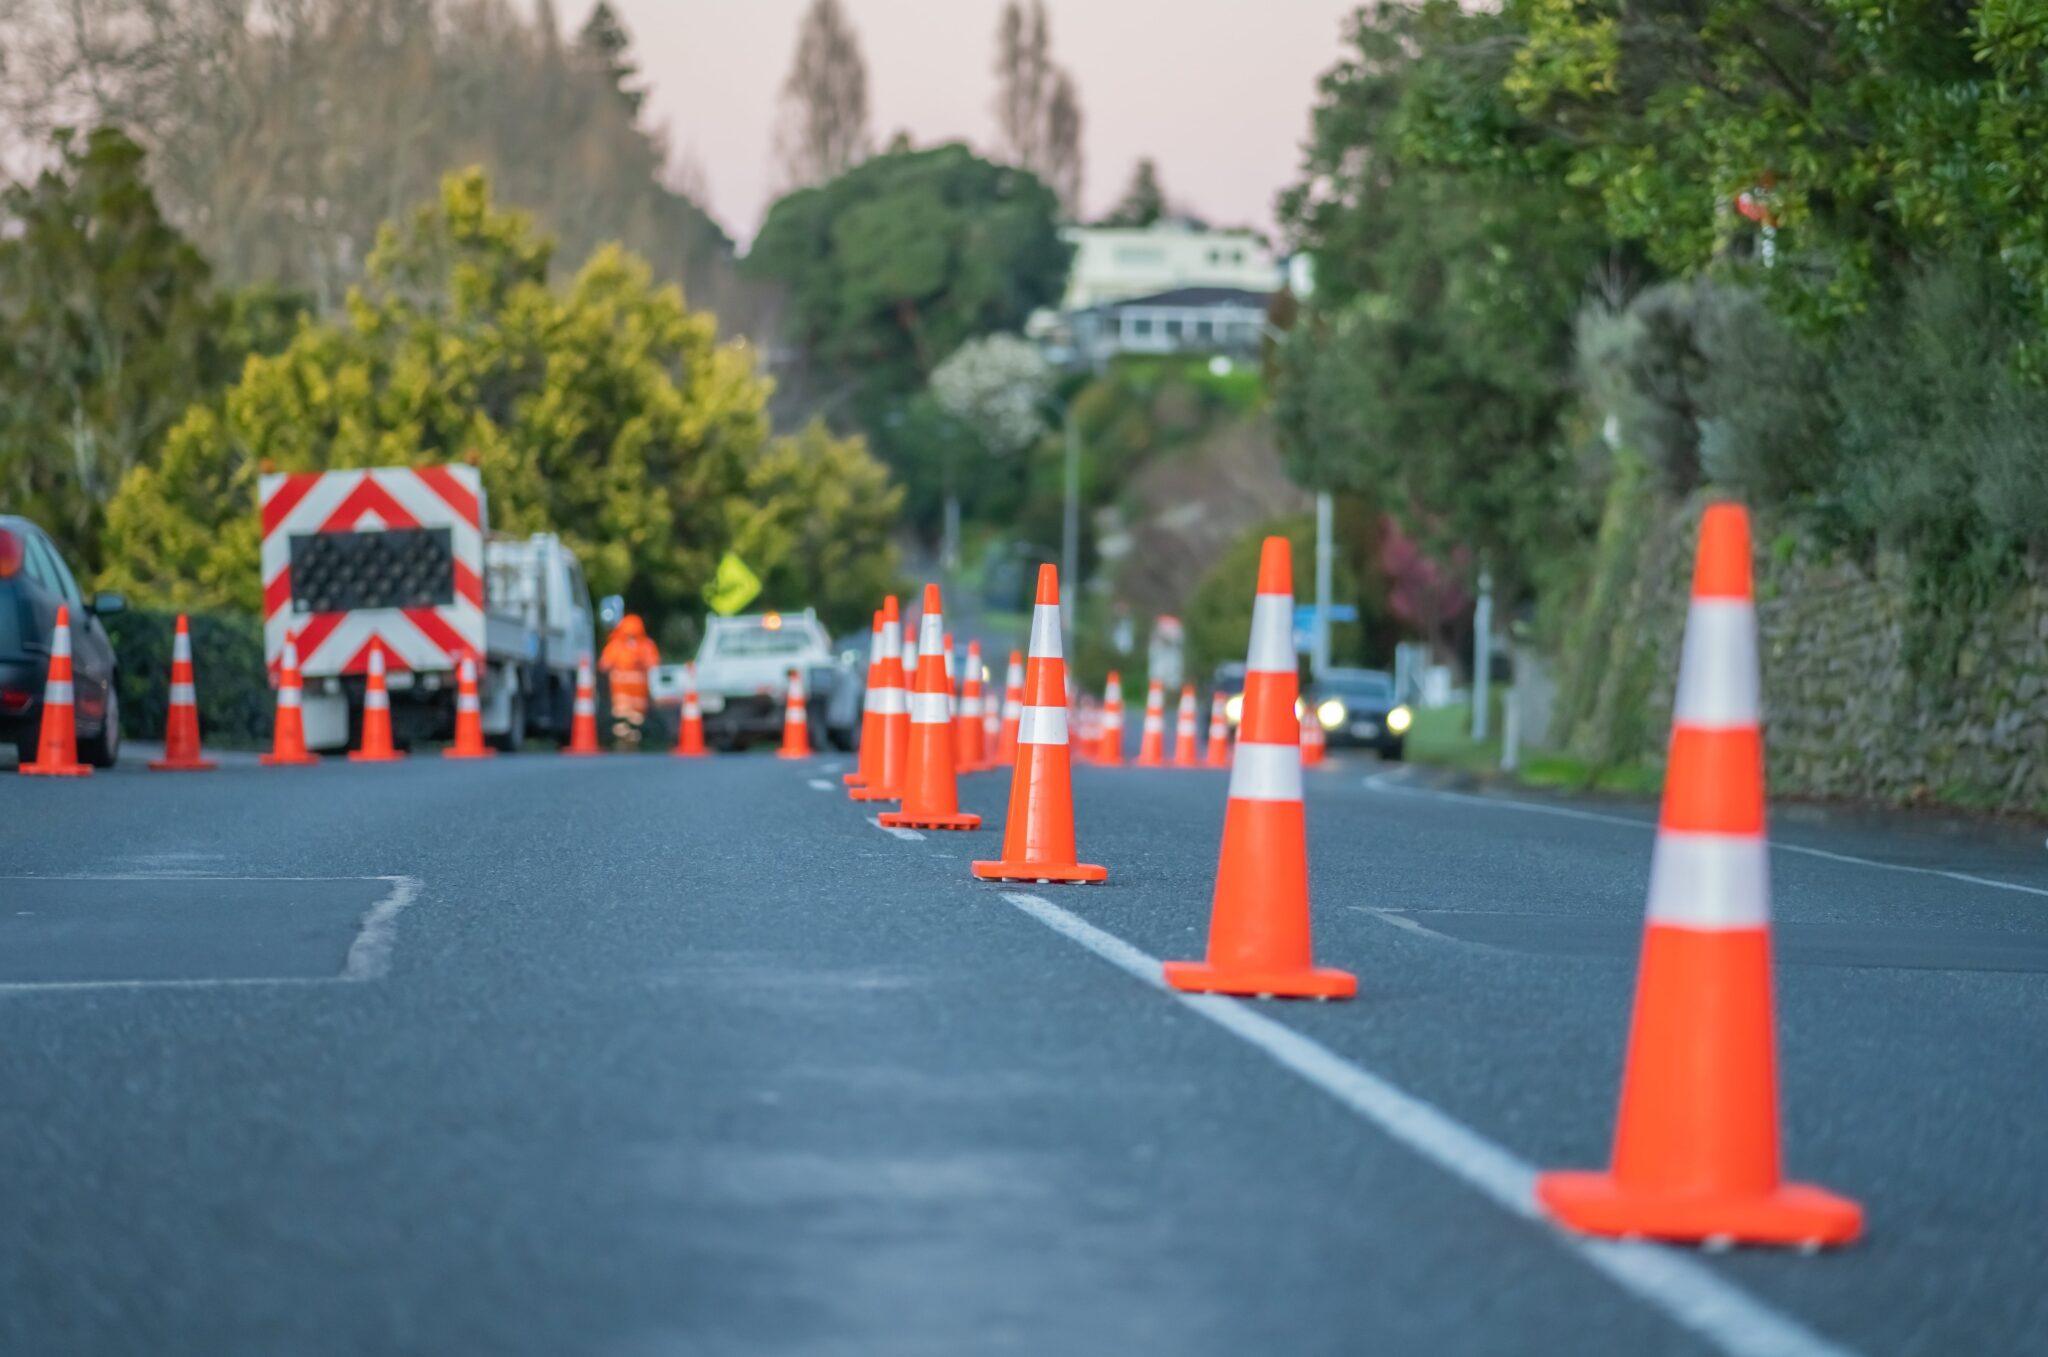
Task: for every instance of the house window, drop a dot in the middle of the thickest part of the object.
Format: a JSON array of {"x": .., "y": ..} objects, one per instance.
[
  {"x": 1140, "y": 326},
  {"x": 1202, "y": 329},
  {"x": 1173, "y": 329}
]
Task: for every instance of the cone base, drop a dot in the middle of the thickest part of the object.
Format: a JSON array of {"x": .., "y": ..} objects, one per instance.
[
  {"x": 874, "y": 794},
  {"x": 1794, "y": 1215},
  {"x": 582, "y": 753},
  {"x": 690, "y": 753},
  {"x": 792, "y": 754},
  {"x": 854, "y": 779},
  {"x": 903, "y": 819},
  {"x": 358, "y": 756},
  {"x": 183, "y": 765},
  {"x": 453, "y": 753},
  {"x": 1044, "y": 873},
  {"x": 288, "y": 760},
  {"x": 1312, "y": 982},
  {"x": 55, "y": 770}
]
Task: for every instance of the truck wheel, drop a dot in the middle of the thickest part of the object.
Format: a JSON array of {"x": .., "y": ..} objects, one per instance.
[{"x": 514, "y": 737}]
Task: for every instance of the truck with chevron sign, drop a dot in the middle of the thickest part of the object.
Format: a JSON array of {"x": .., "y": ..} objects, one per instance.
[{"x": 403, "y": 558}]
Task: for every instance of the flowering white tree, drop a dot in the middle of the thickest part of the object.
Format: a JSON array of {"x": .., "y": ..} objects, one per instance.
[{"x": 996, "y": 386}]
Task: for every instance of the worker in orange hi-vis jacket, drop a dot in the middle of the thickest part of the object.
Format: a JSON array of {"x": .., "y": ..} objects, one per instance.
[{"x": 629, "y": 656}]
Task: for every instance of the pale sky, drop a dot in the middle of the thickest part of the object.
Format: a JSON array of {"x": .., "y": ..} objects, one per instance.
[{"x": 1217, "y": 91}]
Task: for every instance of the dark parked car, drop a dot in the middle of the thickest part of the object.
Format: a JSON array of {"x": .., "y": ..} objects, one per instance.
[
  {"x": 1357, "y": 707},
  {"x": 33, "y": 581}
]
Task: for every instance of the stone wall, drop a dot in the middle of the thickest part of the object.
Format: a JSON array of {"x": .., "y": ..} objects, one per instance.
[{"x": 1847, "y": 716}]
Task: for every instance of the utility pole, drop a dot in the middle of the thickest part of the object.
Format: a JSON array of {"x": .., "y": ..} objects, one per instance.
[
  {"x": 1482, "y": 654},
  {"x": 1326, "y": 555},
  {"x": 1070, "y": 523}
]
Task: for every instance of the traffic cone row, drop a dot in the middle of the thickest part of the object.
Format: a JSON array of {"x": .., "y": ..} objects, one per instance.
[
  {"x": 888, "y": 699},
  {"x": 57, "y": 741},
  {"x": 931, "y": 794},
  {"x": 870, "y": 719},
  {"x": 1013, "y": 710},
  {"x": 968, "y": 735},
  {"x": 1152, "y": 738},
  {"x": 288, "y": 733},
  {"x": 1219, "y": 731},
  {"x": 469, "y": 721},
  {"x": 1109, "y": 746},
  {"x": 690, "y": 728},
  {"x": 583, "y": 717},
  {"x": 796, "y": 720}
]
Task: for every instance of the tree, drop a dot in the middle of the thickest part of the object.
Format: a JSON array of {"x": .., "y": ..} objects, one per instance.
[
  {"x": 607, "y": 45},
  {"x": 824, "y": 130},
  {"x": 1143, "y": 201},
  {"x": 819, "y": 511},
  {"x": 996, "y": 387},
  {"x": 604, "y": 410},
  {"x": 1038, "y": 108},
  {"x": 904, "y": 258},
  {"x": 109, "y": 328}
]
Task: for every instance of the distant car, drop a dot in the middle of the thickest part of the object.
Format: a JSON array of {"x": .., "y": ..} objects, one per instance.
[
  {"x": 1357, "y": 707},
  {"x": 33, "y": 581},
  {"x": 742, "y": 679},
  {"x": 1229, "y": 681}
]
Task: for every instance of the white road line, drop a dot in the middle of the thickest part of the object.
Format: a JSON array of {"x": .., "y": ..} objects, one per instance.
[
  {"x": 369, "y": 956},
  {"x": 912, "y": 835},
  {"x": 1684, "y": 1290},
  {"x": 819, "y": 784},
  {"x": 1378, "y": 783}
]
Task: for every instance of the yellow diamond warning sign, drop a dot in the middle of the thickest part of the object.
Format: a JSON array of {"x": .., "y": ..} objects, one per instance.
[{"x": 733, "y": 587}]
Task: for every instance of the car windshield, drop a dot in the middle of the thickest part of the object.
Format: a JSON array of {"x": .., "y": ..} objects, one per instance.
[
  {"x": 1377, "y": 687},
  {"x": 759, "y": 641}
]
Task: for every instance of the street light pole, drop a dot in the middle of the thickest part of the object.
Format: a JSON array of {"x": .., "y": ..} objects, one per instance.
[
  {"x": 1070, "y": 522},
  {"x": 1326, "y": 554}
]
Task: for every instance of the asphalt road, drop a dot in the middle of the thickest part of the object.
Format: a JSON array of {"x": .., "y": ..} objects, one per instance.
[{"x": 635, "y": 1056}]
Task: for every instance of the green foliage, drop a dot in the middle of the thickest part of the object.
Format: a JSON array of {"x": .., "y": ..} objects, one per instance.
[
  {"x": 820, "y": 509},
  {"x": 605, "y": 411},
  {"x": 235, "y": 701},
  {"x": 1433, "y": 364},
  {"x": 901, "y": 260},
  {"x": 109, "y": 328},
  {"x": 1218, "y": 618}
]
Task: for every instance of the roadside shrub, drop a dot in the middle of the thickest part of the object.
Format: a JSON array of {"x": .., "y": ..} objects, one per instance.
[{"x": 235, "y": 701}]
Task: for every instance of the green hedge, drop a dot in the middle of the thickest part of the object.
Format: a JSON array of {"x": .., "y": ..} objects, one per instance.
[{"x": 235, "y": 701}]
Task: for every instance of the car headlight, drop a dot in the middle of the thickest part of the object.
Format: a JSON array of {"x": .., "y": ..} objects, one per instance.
[
  {"x": 1233, "y": 708},
  {"x": 1399, "y": 719},
  {"x": 1331, "y": 714}
]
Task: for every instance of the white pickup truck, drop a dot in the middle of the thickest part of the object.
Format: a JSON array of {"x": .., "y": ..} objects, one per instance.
[
  {"x": 403, "y": 558},
  {"x": 743, "y": 684}
]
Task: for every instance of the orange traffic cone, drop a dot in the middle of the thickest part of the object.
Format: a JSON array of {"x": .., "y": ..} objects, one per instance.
[
  {"x": 690, "y": 730},
  {"x": 969, "y": 757},
  {"x": 1152, "y": 740},
  {"x": 1186, "y": 752},
  {"x": 1696, "y": 1141},
  {"x": 288, "y": 735},
  {"x": 57, "y": 741},
  {"x": 796, "y": 721},
  {"x": 1313, "y": 743},
  {"x": 1013, "y": 711},
  {"x": 181, "y": 725},
  {"x": 870, "y": 719},
  {"x": 931, "y": 792},
  {"x": 469, "y": 719},
  {"x": 377, "y": 746},
  {"x": 1109, "y": 745},
  {"x": 891, "y": 703},
  {"x": 1259, "y": 923},
  {"x": 583, "y": 720},
  {"x": 1219, "y": 731},
  {"x": 1038, "y": 839},
  {"x": 991, "y": 724}
]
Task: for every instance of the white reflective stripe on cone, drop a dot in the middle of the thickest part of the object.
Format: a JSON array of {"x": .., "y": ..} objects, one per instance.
[
  {"x": 1012, "y": 709},
  {"x": 931, "y": 635},
  {"x": 930, "y": 709},
  {"x": 60, "y": 644},
  {"x": 970, "y": 707},
  {"x": 181, "y": 648},
  {"x": 875, "y": 646},
  {"x": 182, "y": 694},
  {"x": 1265, "y": 772},
  {"x": 287, "y": 697},
  {"x": 1272, "y": 647},
  {"x": 465, "y": 702},
  {"x": 1042, "y": 725},
  {"x": 889, "y": 702},
  {"x": 1154, "y": 723},
  {"x": 377, "y": 662},
  {"x": 892, "y": 640},
  {"x": 1113, "y": 694},
  {"x": 586, "y": 706},
  {"x": 1710, "y": 881},
  {"x": 57, "y": 693},
  {"x": 1045, "y": 632},
  {"x": 690, "y": 707},
  {"x": 1717, "y": 668},
  {"x": 376, "y": 700}
]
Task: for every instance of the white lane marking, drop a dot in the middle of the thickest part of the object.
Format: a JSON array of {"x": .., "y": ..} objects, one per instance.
[
  {"x": 1400, "y": 920},
  {"x": 912, "y": 835},
  {"x": 1684, "y": 1290},
  {"x": 369, "y": 956},
  {"x": 819, "y": 784},
  {"x": 1378, "y": 783}
]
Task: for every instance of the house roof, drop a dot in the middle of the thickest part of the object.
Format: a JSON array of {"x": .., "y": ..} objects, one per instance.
[{"x": 1195, "y": 296}]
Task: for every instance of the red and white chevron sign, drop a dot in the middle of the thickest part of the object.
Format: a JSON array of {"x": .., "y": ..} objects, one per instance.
[{"x": 306, "y": 505}]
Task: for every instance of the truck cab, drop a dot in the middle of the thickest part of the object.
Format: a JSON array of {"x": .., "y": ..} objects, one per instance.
[{"x": 743, "y": 666}]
